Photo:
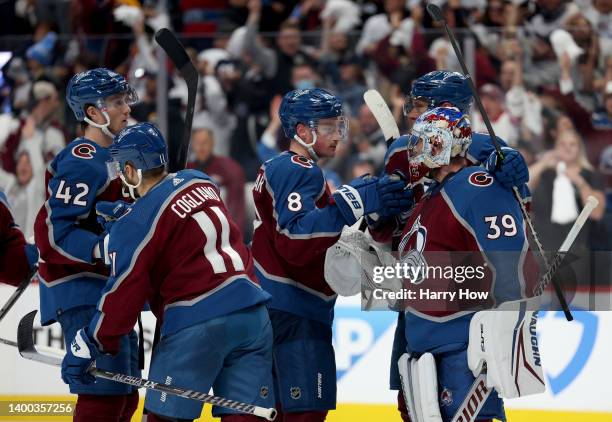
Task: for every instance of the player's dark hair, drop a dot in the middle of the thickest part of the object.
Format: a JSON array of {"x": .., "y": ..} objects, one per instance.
[{"x": 153, "y": 173}]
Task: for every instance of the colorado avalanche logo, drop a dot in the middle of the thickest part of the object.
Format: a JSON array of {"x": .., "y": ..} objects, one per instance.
[
  {"x": 411, "y": 249},
  {"x": 446, "y": 397},
  {"x": 480, "y": 179},
  {"x": 85, "y": 151},
  {"x": 301, "y": 161}
]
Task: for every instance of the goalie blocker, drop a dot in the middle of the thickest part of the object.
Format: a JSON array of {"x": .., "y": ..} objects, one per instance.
[{"x": 502, "y": 355}]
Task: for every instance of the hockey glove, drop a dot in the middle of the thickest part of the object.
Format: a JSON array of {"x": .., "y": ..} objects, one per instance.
[
  {"x": 363, "y": 196},
  {"x": 394, "y": 201},
  {"x": 79, "y": 357},
  {"x": 109, "y": 212},
  {"x": 512, "y": 171}
]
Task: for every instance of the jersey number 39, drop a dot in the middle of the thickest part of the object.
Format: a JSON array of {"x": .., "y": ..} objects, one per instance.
[{"x": 508, "y": 223}]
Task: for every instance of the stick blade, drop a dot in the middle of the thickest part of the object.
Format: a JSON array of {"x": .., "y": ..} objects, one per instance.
[
  {"x": 177, "y": 54},
  {"x": 435, "y": 12},
  {"x": 378, "y": 106},
  {"x": 25, "y": 342}
]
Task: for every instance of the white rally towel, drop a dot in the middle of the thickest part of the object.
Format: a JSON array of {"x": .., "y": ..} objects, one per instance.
[{"x": 564, "y": 206}]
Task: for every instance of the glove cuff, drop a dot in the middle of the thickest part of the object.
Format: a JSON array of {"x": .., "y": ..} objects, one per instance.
[{"x": 349, "y": 203}]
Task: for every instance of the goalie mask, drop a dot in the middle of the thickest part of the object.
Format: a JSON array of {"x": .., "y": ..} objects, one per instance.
[{"x": 439, "y": 135}]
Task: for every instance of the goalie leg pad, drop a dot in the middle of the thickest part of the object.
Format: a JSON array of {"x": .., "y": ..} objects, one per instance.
[
  {"x": 506, "y": 340},
  {"x": 420, "y": 387}
]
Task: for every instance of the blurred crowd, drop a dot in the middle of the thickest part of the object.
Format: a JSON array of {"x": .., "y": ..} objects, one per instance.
[{"x": 543, "y": 69}]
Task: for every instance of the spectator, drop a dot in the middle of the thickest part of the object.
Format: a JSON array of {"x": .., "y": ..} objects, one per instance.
[
  {"x": 596, "y": 136},
  {"x": 211, "y": 109},
  {"x": 40, "y": 129},
  {"x": 379, "y": 26},
  {"x": 352, "y": 84},
  {"x": 226, "y": 172},
  {"x": 25, "y": 190},
  {"x": 603, "y": 118},
  {"x": 560, "y": 183},
  {"x": 599, "y": 13},
  {"x": 304, "y": 76},
  {"x": 523, "y": 106},
  {"x": 41, "y": 56},
  {"x": 494, "y": 104},
  {"x": 290, "y": 52}
]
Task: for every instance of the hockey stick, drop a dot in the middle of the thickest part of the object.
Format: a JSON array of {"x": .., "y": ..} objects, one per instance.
[
  {"x": 436, "y": 14},
  {"x": 27, "y": 349},
  {"x": 177, "y": 154},
  {"x": 17, "y": 293},
  {"x": 479, "y": 392},
  {"x": 382, "y": 114}
]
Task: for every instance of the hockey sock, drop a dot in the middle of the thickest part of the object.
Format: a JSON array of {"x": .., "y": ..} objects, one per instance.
[
  {"x": 311, "y": 416},
  {"x": 95, "y": 408},
  {"x": 129, "y": 407}
]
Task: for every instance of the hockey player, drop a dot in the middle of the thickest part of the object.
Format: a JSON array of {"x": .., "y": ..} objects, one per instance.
[
  {"x": 71, "y": 242},
  {"x": 466, "y": 210},
  {"x": 297, "y": 220},
  {"x": 440, "y": 89},
  {"x": 177, "y": 249},
  {"x": 17, "y": 258}
]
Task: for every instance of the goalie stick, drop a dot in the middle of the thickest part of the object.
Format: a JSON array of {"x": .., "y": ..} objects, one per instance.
[
  {"x": 436, "y": 14},
  {"x": 177, "y": 154},
  {"x": 479, "y": 392},
  {"x": 27, "y": 349}
]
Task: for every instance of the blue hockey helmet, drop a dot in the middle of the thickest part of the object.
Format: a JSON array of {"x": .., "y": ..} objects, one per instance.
[
  {"x": 142, "y": 145},
  {"x": 438, "y": 135},
  {"x": 92, "y": 87},
  {"x": 307, "y": 106},
  {"x": 442, "y": 86}
]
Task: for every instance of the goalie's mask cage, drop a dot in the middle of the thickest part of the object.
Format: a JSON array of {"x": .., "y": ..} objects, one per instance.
[
  {"x": 308, "y": 106},
  {"x": 438, "y": 87},
  {"x": 93, "y": 87},
  {"x": 439, "y": 135},
  {"x": 143, "y": 146}
]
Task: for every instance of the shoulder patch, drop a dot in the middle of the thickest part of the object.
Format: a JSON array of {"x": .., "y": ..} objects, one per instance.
[
  {"x": 85, "y": 151},
  {"x": 301, "y": 161},
  {"x": 480, "y": 179}
]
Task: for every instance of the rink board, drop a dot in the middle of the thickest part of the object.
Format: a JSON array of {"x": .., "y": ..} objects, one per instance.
[{"x": 576, "y": 358}]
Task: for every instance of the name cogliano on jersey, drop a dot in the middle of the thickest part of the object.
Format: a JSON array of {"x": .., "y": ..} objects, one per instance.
[{"x": 193, "y": 199}]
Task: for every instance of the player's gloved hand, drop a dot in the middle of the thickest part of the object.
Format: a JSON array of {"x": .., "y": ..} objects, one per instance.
[
  {"x": 393, "y": 201},
  {"x": 512, "y": 171},
  {"x": 100, "y": 250},
  {"x": 107, "y": 212},
  {"x": 79, "y": 357},
  {"x": 363, "y": 196}
]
